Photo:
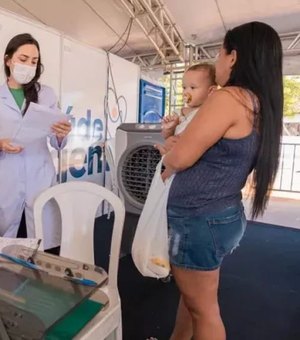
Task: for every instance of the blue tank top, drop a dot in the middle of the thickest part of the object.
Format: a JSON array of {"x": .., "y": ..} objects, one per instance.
[{"x": 215, "y": 181}]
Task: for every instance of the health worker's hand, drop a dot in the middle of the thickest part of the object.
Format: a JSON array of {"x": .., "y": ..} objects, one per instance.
[
  {"x": 61, "y": 129},
  {"x": 7, "y": 146}
]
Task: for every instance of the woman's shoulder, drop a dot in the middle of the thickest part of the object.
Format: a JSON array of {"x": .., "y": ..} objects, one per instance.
[
  {"x": 242, "y": 96},
  {"x": 235, "y": 91},
  {"x": 228, "y": 95}
]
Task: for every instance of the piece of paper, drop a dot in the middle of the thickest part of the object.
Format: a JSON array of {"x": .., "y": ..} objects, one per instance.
[
  {"x": 26, "y": 242},
  {"x": 37, "y": 123}
]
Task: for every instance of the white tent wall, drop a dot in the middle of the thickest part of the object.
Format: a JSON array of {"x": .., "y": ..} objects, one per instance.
[{"x": 78, "y": 74}]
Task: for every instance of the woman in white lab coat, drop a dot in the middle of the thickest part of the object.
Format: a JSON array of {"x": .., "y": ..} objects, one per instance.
[{"x": 26, "y": 171}]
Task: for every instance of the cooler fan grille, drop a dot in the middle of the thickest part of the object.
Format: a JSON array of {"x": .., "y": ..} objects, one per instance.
[{"x": 137, "y": 171}]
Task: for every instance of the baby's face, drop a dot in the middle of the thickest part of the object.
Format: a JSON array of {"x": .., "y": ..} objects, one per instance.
[{"x": 196, "y": 87}]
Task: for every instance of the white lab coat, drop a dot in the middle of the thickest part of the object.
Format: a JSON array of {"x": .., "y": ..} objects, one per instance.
[{"x": 25, "y": 175}]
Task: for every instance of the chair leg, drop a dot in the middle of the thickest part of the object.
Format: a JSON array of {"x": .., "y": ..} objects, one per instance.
[
  {"x": 116, "y": 334},
  {"x": 118, "y": 331},
  {"x": 111, "y": 336}
]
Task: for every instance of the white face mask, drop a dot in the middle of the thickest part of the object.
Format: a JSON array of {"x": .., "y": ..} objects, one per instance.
[{"x": 23, "y": 74}]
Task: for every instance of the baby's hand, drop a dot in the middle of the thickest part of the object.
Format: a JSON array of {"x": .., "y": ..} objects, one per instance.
[
  {"x": 168, "y": 125},
  {"x": 166, "y": 174},
  {"x": 169, "y": 144},
  {"x": 161, "y": 148},
  {"x": 170, "y": 122}
]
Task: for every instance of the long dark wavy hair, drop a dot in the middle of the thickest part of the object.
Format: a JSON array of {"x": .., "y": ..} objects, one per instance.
[
  {"x": 33, "y": 87},
  {"x": 258, "y": 68}
]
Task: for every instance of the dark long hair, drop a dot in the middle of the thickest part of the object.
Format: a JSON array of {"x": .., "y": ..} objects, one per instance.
[
  {"x": 33, "y": 87},
  {"x": 258, "y": 68}
]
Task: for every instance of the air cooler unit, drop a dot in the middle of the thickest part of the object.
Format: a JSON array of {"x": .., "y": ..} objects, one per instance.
[{"x": 136, "y": 160}]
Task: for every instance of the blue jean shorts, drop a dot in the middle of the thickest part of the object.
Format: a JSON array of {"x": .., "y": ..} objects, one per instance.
[{"x": 201, "y": 242}]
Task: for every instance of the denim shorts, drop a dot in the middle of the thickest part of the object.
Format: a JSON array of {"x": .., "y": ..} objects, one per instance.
[{"x": 201, "y": 242}]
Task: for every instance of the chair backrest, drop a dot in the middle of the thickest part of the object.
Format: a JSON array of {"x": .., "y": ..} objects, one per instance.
[
  {"x": 109, "y": 153},
  {"x": 78, "y": 203}
]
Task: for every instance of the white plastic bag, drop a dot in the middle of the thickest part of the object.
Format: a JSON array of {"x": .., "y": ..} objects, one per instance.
[{"x": 150, "y": 245}]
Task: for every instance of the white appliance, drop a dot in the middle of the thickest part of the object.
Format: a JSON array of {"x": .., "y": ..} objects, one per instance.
[{"x": 136, "y": 160}]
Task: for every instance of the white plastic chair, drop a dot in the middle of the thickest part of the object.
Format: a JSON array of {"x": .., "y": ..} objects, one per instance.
[
  {"x": 78, "y": 203},
  {"x": 109, "y": 148}
]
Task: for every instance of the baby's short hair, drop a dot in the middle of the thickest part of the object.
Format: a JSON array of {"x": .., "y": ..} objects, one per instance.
[{"x": 210, "y": 68}]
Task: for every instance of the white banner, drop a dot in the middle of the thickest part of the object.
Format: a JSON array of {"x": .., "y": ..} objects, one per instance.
[
  {"x": 83, "y": 91},
  {"x": 123, "y": 93}
]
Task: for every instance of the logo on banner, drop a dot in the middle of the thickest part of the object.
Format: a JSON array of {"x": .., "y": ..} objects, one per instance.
[{"x": 83, "y": 154}]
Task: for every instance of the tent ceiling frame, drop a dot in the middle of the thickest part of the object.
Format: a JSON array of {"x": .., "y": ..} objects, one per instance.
[
  {"x": 294, "y": 42},
  {"x": 158, "y": 27},
  {"x": 207, "y": 53}
]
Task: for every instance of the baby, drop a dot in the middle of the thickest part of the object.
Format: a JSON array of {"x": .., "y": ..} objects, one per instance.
[{"x": 198, "y": 83}]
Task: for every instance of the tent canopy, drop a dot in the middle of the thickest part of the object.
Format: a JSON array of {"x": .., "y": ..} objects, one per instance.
[{"x": 100, "y": 23}]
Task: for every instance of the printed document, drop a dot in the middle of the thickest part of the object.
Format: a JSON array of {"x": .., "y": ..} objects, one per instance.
[{"x": 37, "y": 123}]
